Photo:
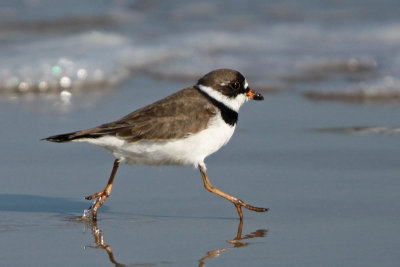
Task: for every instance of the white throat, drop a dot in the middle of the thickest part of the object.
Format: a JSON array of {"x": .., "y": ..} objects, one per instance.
[{"x": 232, "y": 103}]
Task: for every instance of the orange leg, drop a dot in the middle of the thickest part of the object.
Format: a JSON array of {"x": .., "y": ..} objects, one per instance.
[
  {"x": 103, "y": 195},
  {"x": 237, "y": 202}
]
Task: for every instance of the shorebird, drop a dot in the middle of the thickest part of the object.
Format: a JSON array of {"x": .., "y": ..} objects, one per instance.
[{"x": 181, "y": 129}]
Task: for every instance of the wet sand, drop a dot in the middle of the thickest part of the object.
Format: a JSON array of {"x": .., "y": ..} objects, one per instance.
[{"x": 333, "y": 196}]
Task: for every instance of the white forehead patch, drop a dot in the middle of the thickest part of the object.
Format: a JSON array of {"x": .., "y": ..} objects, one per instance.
[{"x": 245, "y": 84}]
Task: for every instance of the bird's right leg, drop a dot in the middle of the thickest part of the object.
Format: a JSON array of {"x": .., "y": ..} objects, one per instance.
[{"x": 104, "y": 194}]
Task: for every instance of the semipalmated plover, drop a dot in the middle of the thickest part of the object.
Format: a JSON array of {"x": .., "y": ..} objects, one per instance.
[{"x": 181, "y": 129}]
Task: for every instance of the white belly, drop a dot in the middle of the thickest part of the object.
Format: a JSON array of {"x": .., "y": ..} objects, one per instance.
[{"x": 191, "y": 150}]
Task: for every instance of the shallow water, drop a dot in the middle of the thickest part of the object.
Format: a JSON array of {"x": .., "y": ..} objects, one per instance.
[{"x": 328, "y": 170}]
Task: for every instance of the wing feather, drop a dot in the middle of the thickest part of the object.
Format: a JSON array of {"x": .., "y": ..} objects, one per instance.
[{"x": 170, "y": 118}]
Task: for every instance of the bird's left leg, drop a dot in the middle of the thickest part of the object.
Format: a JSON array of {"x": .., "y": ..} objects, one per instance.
[{"x": 237, "y": 202}]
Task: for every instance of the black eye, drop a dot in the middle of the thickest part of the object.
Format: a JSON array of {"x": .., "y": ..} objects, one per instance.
[{"x": 235, "y": 85}]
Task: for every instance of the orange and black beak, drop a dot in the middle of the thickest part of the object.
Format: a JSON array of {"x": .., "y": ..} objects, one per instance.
[{"x": 254, "y": 95}]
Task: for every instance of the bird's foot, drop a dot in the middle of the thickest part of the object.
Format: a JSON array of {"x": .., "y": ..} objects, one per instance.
[
  {"x": 240, "y": 203},
  {"x": 99, "y": 197}
]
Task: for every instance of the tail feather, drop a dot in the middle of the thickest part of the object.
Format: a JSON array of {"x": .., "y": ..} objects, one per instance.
[{"x": 61, "y": 138}]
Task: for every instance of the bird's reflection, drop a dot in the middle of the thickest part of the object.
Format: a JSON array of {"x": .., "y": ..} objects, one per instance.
[
  {"x": 99, "y": 242},
  {"x": 237, "y": 242}
]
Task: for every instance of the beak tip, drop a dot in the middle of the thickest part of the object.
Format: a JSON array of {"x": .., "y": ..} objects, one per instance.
[
  {"x": 258, "y": 97},
  {"x": 254, "y": 95}
]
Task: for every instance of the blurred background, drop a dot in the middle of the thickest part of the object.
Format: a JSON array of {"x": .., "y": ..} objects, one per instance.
[
  {"x": 322, "y": 151},
  {"x": 342, "y": 50}
]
